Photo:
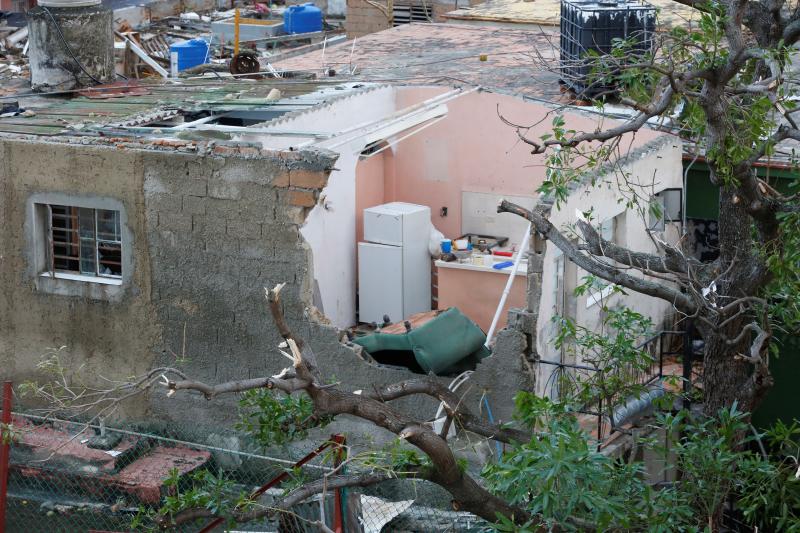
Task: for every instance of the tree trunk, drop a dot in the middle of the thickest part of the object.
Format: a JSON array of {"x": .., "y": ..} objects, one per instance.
[
  {"x": 739, "y": 272},
  {"x": 727, "y": 376}
]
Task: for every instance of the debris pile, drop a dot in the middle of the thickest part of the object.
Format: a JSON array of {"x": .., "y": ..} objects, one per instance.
[
  {"x": 154, "y": 42},
  {"x": 13, "y": 49}
]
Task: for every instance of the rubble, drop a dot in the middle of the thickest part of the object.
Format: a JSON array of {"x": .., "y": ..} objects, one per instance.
[{"x": 142, "y": 43}]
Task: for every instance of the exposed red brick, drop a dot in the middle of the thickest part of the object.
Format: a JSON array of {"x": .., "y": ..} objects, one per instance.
[
  {"x": 249, "y": 150},
  {"x": 302, "y": 198},
  {"x": 309, "y": 179},
  {"x": 281, "y": 180},
  {"x": 221, "y": 149}
]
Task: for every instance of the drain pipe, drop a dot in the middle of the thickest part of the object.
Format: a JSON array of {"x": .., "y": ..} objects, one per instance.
[{"x": 522, "y": 249}]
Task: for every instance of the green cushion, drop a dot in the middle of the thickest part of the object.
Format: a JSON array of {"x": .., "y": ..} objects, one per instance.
[{"x": 438, "y": 345}]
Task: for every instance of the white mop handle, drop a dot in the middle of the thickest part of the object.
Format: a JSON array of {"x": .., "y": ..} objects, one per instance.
[{"x": 520, "y": 253}]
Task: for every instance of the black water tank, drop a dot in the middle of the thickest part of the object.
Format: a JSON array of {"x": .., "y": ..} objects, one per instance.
[{"x": 594, "y": 25}]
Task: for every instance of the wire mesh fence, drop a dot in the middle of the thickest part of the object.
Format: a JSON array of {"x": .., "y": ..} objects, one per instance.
[{"x": 65, "y": 477}]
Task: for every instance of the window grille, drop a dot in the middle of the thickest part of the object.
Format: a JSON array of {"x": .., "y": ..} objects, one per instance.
[{"x": 84, "y": 241}]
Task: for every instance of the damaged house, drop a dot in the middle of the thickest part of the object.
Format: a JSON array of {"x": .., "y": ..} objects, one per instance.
[{"x": 140, "y": 231}]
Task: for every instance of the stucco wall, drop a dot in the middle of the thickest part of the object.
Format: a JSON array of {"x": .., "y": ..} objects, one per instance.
[
  {"x": 34, "y": 321},
  {"x": 655, "y": 165},
  {"x": 207, "y": 233}
]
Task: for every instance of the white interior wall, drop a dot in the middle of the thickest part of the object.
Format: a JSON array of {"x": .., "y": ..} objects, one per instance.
[
  {"x": 330, "y": 231},
  {"x": 479, "y": 215}
]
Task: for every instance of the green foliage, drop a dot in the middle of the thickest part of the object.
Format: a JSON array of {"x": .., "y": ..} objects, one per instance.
[
  {"x": 784, "y": 305},
  {"x": 200, "y": 489},
  {"x": 562, "y": 479},
  {"x": 9, "y": 434},
  {"x": 615, "y": 352},
  {"x": 276, "y": 418},
  {"x": 396, "y": 456},
  {"x": 770, "y": 497}
]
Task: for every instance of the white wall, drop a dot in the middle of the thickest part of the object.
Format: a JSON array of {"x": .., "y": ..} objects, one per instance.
[
  {"x": 660, "y": 168},
  {"x": 330, "y": 231}
]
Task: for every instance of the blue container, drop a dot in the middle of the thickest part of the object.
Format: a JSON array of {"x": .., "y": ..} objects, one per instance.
[
  {"x": 190, "y": 53},
  {"x": 304, "y": 18}
]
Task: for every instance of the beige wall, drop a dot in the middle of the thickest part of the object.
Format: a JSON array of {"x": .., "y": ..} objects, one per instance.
[{"x": 656, "y": 168}]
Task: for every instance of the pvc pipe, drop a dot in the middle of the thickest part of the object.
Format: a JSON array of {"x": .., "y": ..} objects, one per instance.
[
  {"x": 365, "y": 128},
  {"x": 522, "y": 249},
  {"x": 438, "y": 420}
]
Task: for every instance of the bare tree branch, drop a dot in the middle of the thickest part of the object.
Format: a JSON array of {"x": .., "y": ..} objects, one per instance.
[
  {"x": 453, "y": 407},
  {"x": 609, "y": 273}
]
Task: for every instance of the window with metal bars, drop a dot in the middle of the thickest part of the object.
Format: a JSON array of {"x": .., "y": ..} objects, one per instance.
[{"x": 84, "y": 241}]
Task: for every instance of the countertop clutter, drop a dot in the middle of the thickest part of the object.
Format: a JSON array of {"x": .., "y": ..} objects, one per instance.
[
  {"x": 485, "y": 263},
  {"x": 480, "y": 253}
]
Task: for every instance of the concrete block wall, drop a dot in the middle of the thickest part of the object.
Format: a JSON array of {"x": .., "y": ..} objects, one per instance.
[
  {"x": 363, "y": 18},
  {"x": 221, "y": 228},
  {"x": 211, "y": 227}
]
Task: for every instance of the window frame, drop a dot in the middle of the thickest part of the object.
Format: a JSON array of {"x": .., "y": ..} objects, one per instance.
[
  {"x": 38, "y": 232},
  {"x": 95, "y": 242}
]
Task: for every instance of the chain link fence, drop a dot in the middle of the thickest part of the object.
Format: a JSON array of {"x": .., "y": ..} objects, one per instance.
[{"x": 67, "y": 477}]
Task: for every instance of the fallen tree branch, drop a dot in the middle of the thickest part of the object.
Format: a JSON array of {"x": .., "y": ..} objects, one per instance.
[
  {"x": 609, "y": 273},
  {"x": 453, "y": 407}
]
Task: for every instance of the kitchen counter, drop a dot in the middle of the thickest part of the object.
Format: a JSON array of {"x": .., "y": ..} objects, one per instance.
[
  {"x": 521, "y": 271},
  {"x": 476, "y": 289}
]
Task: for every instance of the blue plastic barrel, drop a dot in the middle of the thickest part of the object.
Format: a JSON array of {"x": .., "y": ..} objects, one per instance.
[
  {"x": 304, "y": 18},
  {"x": 190, "y": 53}
]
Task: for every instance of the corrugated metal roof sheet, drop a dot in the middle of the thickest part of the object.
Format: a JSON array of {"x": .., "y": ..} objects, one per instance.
[{"x": 57, "y": 114}]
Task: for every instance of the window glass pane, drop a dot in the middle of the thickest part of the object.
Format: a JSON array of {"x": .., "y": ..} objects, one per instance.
[
  {"x": 88, "y": 257},
  {"x": 108, "y": 225},
  {"x": 110, "y": 257},
  {"x": 86, "y": 223},
  {"x": 607, "y": 230}
]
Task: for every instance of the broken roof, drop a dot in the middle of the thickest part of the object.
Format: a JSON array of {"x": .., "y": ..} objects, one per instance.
[
  {"x": 548, "y": 12},
  {"x": 116, "y": 107},
  {"x": 495, "y": 58}
]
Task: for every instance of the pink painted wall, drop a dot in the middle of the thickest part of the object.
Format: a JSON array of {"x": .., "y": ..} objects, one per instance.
[{"x": 473, "y": 150}]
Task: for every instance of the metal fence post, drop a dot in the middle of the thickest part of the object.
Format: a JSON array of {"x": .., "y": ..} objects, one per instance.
[
  {"x": 5, "y": 448},
  {"x": 339, "y": 455}
]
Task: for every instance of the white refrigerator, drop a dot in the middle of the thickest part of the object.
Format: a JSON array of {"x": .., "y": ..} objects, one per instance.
[{"x": 394, "y": 263}]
